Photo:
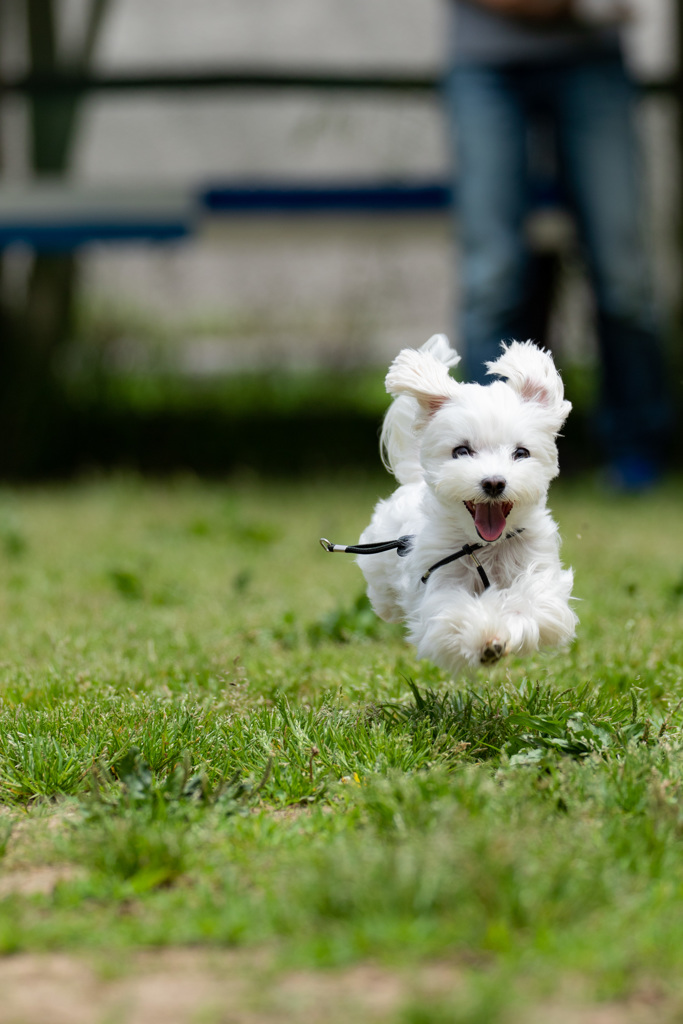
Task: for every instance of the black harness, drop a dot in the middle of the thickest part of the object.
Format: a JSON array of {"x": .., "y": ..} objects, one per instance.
[{"x": 404, "y": 544}]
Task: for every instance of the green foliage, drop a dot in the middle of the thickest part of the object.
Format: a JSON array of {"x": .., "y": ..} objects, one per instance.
[
  {"x": 161, "y": 796},
  {"x": 140, "y": 831},
  {"x": 529, "y": 723},
  {"x": 127, "y": 583},
  {"x": 12, "y": 539},
  {"x": 348, "y": 622}
]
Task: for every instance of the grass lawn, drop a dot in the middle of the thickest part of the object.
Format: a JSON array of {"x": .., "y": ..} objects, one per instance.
[{"x": 221, "y": 775}]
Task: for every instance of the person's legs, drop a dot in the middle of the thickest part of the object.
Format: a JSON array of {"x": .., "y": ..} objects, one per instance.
[
  {"x": 599, "y": 159},
  {"x": 489, "y": 127}
]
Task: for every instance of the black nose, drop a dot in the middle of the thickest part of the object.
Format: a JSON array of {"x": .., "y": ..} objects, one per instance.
[{"x": 493, "y": 486}]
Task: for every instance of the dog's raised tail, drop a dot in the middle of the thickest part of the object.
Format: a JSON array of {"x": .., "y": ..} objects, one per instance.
[{"x": 399, "y": 444}]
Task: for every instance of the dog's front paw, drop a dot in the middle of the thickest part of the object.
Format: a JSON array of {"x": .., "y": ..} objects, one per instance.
[{"x": 492, "y": 651}]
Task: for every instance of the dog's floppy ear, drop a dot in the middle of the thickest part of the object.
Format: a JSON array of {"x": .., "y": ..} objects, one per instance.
[
  {"x": 423, "y": 374},
  {"x": 530, "y": 372}
]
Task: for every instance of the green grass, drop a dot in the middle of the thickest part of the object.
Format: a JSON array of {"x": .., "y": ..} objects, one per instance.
[{"x": 211, "y": 742}]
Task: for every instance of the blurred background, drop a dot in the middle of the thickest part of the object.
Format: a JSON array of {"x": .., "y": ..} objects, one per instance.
[{"x": 219, "y": 227}]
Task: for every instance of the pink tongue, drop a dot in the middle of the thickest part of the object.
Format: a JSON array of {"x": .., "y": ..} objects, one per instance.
[{"x": 489, "y": 520}]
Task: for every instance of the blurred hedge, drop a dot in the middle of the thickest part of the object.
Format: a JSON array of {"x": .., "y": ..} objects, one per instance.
[{"x": 273, "y": 425}]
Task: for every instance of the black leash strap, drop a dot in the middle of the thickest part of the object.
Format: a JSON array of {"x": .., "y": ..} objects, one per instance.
[
  {"x": 466, "y": 549},
  {"x": 402, "y": 546}
]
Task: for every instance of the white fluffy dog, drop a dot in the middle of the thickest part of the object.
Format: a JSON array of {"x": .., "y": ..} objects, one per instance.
[{"x": 480, "y": 574}]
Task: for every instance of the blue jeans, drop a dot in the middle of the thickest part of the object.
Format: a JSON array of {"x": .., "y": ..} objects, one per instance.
[{"x": 589, "y": 107}]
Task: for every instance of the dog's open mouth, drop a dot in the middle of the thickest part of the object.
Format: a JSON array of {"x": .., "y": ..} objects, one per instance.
[{"x": 489, "y": 517}]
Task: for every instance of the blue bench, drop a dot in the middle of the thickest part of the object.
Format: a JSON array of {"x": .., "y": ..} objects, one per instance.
[
  {"x": 59, "y": 218},
  {"x": 399, "y": 197},
  {"x": 334, "y": 197}
]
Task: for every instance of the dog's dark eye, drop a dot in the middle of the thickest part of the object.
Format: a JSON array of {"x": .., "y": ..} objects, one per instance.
[
  {"x": 461, "y": 450},
  {"x": 521, "y": 453}
]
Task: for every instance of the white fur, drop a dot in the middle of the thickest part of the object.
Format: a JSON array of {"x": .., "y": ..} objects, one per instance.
[{"x": 451, "y": 619}]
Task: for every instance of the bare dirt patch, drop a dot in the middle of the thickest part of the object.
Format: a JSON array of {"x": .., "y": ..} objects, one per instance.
[
  {"x": 32, "y": 881},
  {"x": 235, "y": 987},
  {"x": 189, "y": 986}
]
